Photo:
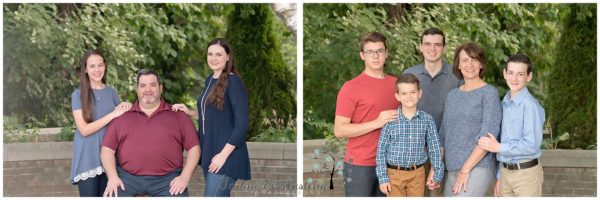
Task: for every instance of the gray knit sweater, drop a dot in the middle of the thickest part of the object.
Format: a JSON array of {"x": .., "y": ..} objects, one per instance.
[{"x": 467, "y": 116}]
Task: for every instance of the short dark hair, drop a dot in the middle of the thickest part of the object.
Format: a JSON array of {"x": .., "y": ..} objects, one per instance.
[
  {"x": 143, "y": 72},
  {"x": 372, "y": 37},
  {"x": 520, "y": 58},
  {"x": 434, "y": 31},
  {"x": 474, "y": 52},
  {"x": 407, "y": 78}
]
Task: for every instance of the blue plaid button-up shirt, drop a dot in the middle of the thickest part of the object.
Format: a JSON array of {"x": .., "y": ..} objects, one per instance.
[{"x": 403, "y": 143}]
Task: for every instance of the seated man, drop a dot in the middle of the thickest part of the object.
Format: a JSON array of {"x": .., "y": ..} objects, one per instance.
[{"x": 148, "y": 141}]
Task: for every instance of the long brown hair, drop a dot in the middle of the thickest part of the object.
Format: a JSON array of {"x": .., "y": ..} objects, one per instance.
[
  {"x": 217, "y": 94},
  {"x": 85, "y": 87}
]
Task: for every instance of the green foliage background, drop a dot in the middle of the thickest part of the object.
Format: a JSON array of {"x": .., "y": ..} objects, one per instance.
[
  {"x": 261, "y": 63},
  {"x": 331, "y": 33},
  {"x": 571, "y": 99},
  {"x": 44, "y": 42}
]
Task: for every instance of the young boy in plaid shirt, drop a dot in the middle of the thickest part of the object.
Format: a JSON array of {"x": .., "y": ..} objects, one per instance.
[{"x": 401, "y": 151}]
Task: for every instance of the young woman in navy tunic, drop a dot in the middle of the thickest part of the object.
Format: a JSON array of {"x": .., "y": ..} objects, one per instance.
[
  {"x": 94, "y": 105},
  {"x": 223, "y": 121}
]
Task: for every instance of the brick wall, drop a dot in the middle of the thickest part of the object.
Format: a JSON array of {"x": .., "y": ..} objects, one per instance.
[
  {"x": 569, "y": 182},
  {"x": 43, "y": 169},
  {"x": 567, "y": 173}
]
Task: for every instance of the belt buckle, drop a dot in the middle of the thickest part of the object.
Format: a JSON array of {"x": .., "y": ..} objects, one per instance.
[{"x": 512, "y": 166}]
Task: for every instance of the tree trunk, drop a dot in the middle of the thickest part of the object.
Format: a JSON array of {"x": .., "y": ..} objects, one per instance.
[{"x": 287, "y": 13}]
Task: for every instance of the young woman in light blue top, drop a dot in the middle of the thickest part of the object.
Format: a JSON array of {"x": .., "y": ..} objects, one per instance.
[{"x": 94, "y": 105}]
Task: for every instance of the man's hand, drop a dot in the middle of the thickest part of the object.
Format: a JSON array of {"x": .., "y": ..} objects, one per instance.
[
  {"x": 112, "y": 187},
  {"x": 387, "y": 116},
  {"x": 489, "y": 143},
  {"x": 178, "y": 185},
  {"x": 386, "y": 188}
]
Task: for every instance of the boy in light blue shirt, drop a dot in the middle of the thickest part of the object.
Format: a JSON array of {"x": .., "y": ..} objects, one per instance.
[{"x": 520, "y": 173}]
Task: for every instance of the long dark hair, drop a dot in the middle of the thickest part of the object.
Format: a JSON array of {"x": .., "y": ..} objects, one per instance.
[
  {"x": 85, "y": 87},
  {"x": 217, "y": 94}
]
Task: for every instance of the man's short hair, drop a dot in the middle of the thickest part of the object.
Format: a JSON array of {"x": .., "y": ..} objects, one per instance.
[
  {"x": 143, "y": 72},
  {"x": 372, "y": 37},
  {"x": 520, "y": 58},
  {"x": 472, "y": 51},
  {"x": 407, "y": 78},
  {"x": 434, "y": 31}
]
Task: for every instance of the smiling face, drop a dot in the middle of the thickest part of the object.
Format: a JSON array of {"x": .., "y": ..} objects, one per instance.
[
  {"x": 469, "y": 67},
  {"x": 148, "y": 90},
  {"x": 216, "y": 58},
  {"x": 432, "y": 47},
  {"x": 516, "y": 76},
  {"x": 408, "y": 94},
  {"x": 95, "y": 68}
]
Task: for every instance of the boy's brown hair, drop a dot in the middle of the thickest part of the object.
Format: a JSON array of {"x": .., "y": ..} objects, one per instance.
[
  {"x": 407, "y": 78},
  {"x": 372, "y": 37}
]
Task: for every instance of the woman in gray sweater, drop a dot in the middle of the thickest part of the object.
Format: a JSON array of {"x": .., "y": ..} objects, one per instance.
[{"x": 471, "y": 111}]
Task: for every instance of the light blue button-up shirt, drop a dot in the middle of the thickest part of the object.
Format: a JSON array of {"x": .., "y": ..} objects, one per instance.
[{"x": 522, "y": 125}]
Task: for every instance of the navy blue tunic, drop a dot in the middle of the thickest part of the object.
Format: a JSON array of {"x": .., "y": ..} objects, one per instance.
[{"x": 225, "y": 126}]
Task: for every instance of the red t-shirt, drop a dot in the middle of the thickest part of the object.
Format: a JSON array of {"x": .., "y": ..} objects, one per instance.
[
  {"x": 151, "y": 145},
  {"x": 362, "y": 99}
]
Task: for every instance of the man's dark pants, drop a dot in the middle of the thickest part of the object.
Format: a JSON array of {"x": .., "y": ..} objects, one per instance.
[
  {"x": 361, "y": 181},
  {"x": 156, "y": 186}
]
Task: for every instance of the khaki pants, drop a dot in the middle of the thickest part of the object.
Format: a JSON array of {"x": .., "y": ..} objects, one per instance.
[
  {"x": 407, "y": 183},
  {"x": 523, "y": 182}
]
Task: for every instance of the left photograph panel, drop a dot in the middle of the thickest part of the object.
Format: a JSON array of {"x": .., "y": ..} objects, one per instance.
[{"x": 129, "y": 100}]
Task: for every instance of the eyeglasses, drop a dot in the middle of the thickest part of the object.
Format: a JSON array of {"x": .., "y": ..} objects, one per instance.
[{"x": 377, "y": 52}]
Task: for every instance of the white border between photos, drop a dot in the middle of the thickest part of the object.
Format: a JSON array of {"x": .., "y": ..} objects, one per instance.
[{"x": 300, "y": 98}]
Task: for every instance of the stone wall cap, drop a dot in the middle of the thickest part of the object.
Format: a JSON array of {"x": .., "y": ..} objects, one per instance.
[{"x": 63, "y": 150}]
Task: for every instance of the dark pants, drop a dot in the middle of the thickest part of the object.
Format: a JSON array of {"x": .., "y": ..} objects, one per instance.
[
  {"x": 218, "y": 185},
  {"x": 361, "y": 181},
  {"x": 147, "y": 185},
  {"x": 92, "y": 187}
]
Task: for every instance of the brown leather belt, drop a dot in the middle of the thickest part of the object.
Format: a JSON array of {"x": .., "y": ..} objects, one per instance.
[{"x": 414, "y": 167}]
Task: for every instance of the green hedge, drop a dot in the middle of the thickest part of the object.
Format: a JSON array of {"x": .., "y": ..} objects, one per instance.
[{"x": 571, "y": 103}]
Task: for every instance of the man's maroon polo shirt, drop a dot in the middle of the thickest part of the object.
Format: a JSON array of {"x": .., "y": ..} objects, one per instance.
[{"x": 150, "y": 145}]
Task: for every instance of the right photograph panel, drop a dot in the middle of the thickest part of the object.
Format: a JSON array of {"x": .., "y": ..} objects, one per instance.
[{"x": 450, "y": 100}]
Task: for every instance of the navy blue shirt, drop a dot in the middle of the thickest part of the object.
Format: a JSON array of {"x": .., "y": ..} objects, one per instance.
[{"x": 225, "y": 126}]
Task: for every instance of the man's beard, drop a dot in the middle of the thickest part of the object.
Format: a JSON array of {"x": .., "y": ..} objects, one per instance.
[{"x": 149, "y": 101}]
